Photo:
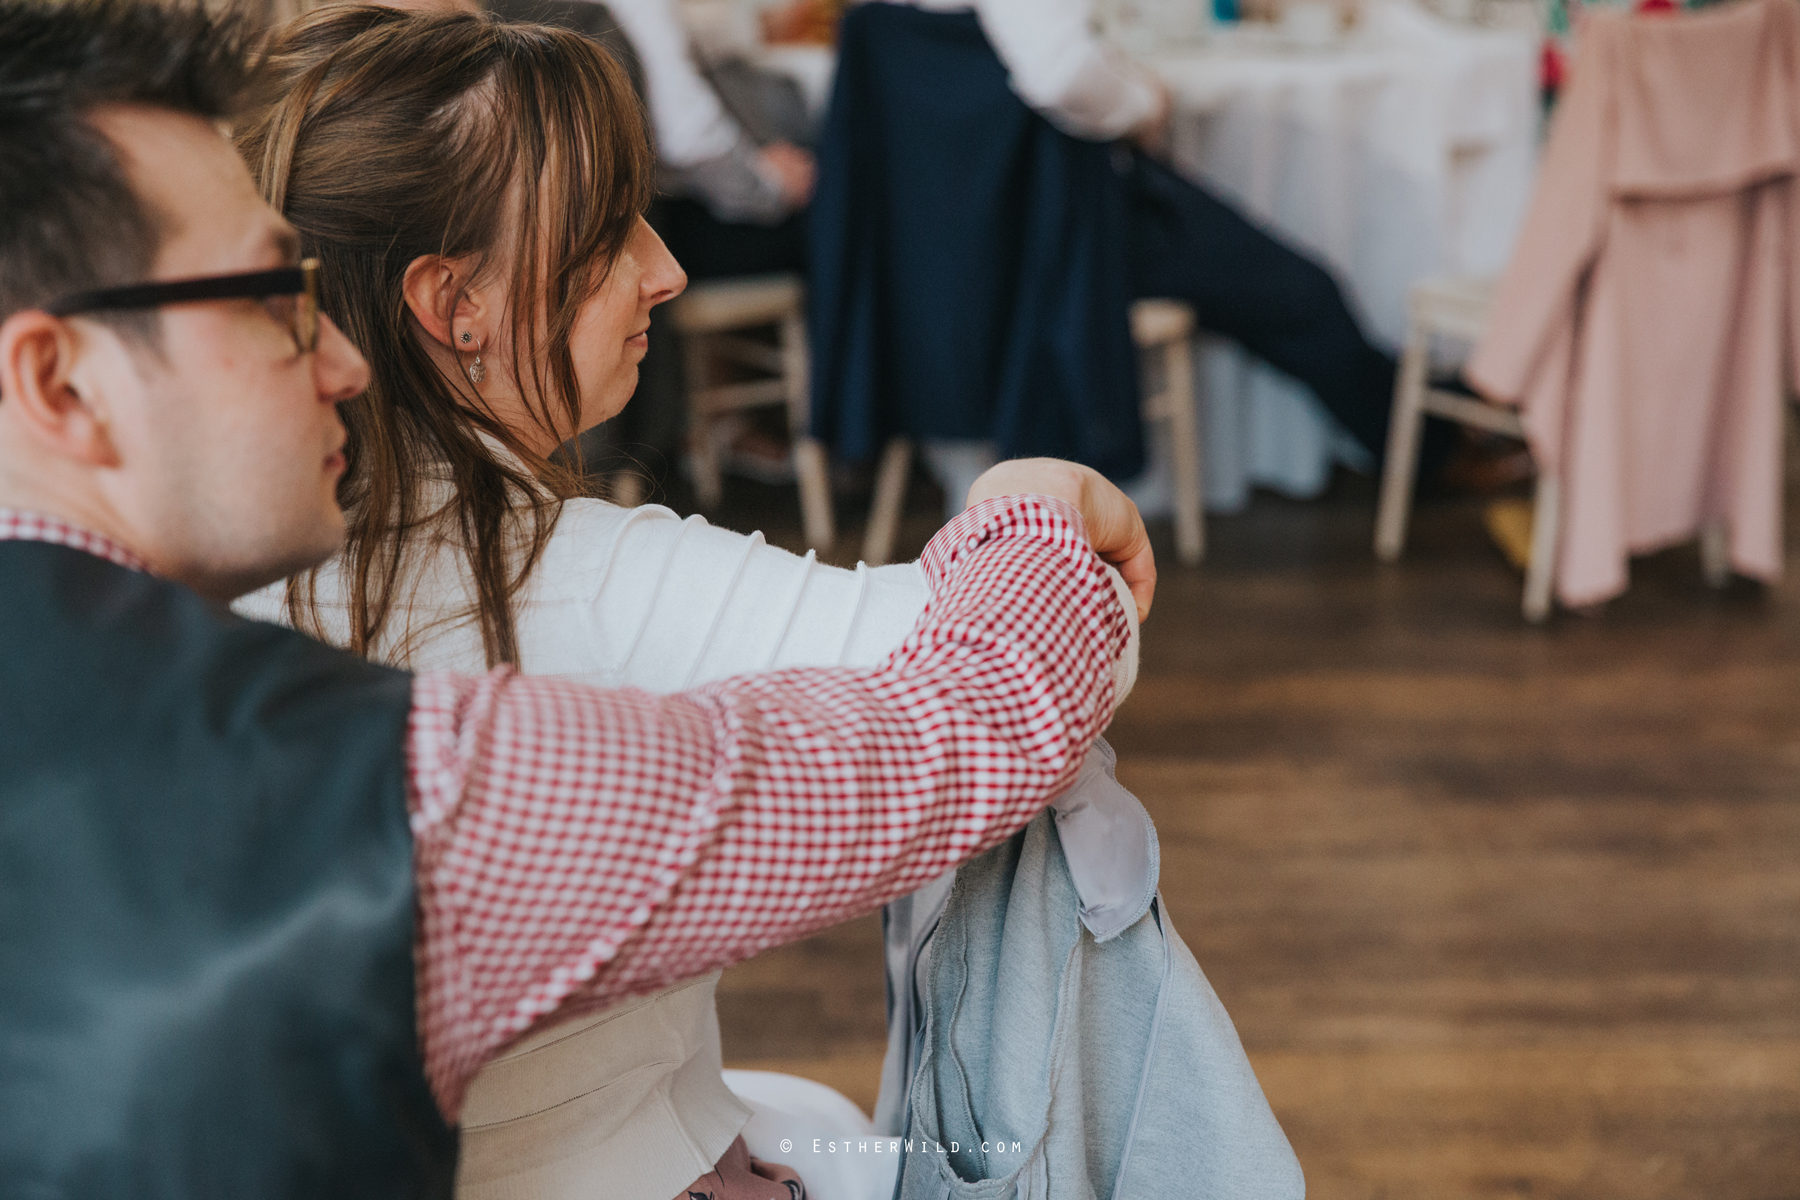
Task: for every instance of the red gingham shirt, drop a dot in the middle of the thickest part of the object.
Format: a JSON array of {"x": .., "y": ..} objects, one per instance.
[{"x": 575, "y": 846}]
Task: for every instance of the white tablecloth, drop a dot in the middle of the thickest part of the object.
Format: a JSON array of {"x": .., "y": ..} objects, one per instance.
[{"x": 1404, "y": 152}]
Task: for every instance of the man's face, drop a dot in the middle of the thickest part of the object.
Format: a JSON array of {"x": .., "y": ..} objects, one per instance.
[{"x": 228, "y": 439}]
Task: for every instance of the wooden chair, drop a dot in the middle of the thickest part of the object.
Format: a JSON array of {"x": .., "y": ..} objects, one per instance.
[
  {"x": 712, "y": 318},
  {"x": 1453, "y": 308},
  {"x": 1458, "y": 308},
  {"x": 1163, "y": 332}
]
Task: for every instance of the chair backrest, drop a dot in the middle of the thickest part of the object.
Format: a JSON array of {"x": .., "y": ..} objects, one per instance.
[{"x": 1661, "y": 110}]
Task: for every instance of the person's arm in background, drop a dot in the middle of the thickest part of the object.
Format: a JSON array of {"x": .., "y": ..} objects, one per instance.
[
  {"x": 1058, "y": 66},
  {"x": 709, "y": 153},
  {"x": 578, "y": 843}
]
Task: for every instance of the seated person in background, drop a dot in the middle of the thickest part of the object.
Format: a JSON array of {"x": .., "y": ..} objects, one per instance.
[
  {"x": 1183, "y": 241},
  {"x": 737, "y": 175},
  {"x": 736, "y": 183},
  {"x": 463, "y": 551},
  {"x": 265, "y": 908}
]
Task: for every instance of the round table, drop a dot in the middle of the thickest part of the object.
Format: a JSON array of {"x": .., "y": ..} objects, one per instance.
[{"x": 1403, "y": 151}]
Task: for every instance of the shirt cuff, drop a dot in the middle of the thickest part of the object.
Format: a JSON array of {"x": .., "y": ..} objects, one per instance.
[
  {"x": 1125, "y": 667},
  {"x": 1058, "y": 522},
  {"x": 1107, "y": 98}
]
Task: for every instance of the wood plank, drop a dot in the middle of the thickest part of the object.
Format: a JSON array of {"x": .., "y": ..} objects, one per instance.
[{"x": 1499, "y": 910}]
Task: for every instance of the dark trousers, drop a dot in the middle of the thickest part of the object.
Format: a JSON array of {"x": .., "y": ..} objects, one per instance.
[{"x": 1281, "y": 305}]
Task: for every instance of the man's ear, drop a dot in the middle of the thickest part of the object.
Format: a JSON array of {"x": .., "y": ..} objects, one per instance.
[
  {"x": 40, "y": 390},
  {"x": 444, "y": 302}
]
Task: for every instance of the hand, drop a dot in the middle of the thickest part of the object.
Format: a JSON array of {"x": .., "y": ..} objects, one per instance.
[
  {"x": 1151, "y": 134},
  {"x": 1114, "y": 527},
  {"x": 796, "y": 171}
]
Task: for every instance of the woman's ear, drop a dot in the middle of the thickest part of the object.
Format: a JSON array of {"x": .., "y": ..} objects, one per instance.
[{"x": 445, "y": 302}]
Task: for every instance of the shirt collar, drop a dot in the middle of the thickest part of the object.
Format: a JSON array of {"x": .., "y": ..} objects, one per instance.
[
  {"x": 439, "y": 470},
  {"x": 18, "y": 525}
]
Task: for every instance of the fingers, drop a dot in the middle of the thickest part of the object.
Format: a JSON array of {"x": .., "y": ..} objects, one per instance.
[
  {"x": 1114, "y": 527},
  {"x": 1137, "y": 565},
  {"x": 796, "y": 170},
  {"x": 1152, "y": 133},
  {"x": 1117, "y": 531},
  {"x": 1042, "y": 476}
]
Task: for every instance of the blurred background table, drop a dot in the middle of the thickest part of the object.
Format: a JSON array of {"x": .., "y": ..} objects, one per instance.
[{"x": 1402, "y": 150}]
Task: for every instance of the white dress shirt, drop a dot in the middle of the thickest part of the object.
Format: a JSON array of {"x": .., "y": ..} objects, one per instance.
[
  {"x": 1059, "y": 66},
  {"x": 691, "y": 123},
  {"x": 708, "y": 153}
]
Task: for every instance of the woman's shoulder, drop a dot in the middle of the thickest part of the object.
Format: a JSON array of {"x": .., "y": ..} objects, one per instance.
[
  {"x": 595, "y": 540},
  {"x": 265, "y": 604},
  {"x": 587, "y": 538}
]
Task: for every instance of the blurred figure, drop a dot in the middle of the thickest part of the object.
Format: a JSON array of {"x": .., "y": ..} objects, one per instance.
[
  {"x": 990, "y": 201},
  {"x": 734, "y": 172}
]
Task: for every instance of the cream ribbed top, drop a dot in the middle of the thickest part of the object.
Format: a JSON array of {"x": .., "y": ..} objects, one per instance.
[{"x": 629, "y": 1104}]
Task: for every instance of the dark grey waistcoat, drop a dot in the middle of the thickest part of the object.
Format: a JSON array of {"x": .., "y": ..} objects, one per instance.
[{"x": 206, "y": 903}]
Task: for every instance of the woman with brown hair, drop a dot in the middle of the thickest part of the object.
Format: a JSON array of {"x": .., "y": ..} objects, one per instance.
[
  {"x": 399, "y": 148},
  {"x": 474, "y": 192}
]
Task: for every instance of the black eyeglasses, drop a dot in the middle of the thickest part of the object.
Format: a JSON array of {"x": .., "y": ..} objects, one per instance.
[{"x": 299, "y": 283}]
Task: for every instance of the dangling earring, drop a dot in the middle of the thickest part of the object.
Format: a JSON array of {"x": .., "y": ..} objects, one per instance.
[{"x": 477, "y": 372}]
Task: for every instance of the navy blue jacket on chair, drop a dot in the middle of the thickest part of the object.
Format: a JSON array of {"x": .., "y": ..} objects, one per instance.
[{"x": 970, "y": 262}]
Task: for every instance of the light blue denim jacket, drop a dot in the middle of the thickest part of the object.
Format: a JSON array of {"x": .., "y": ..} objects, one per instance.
[{"x": 1051, "y": 1037}]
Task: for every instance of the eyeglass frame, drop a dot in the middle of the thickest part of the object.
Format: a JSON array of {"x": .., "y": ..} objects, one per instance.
[{"x": 300, "y": 281}]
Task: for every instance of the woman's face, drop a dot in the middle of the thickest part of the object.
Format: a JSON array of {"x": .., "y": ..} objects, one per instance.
[
  {"x": 462, "y": 319},
  {"x": 609, "y": 338}
]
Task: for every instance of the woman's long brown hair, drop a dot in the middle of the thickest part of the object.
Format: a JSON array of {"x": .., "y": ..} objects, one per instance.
[{"x": 386, "y": 136}]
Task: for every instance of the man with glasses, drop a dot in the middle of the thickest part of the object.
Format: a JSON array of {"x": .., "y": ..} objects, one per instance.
[{"x": 265, "y": 907}]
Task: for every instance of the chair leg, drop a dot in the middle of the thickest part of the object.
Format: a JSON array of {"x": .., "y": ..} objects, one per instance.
[
  {"x": 1402, "y": 464},
  {"x": 1715, "y": 554},
  {"x": 627, "y": 488},
  {"x": 1184, "y": 445},
  {"x": 795, "y": 372},
  {"x": 1546, "y": 517},
  {"x": 890, "y": 498},
  {"x": 810, "y": 463},
  {"x": 703, "y": 456}
]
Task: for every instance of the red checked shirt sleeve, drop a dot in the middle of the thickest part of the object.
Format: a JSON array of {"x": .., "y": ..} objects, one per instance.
[{"x": 576, "y": 846}]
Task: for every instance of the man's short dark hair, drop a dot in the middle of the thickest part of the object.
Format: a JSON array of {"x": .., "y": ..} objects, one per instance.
[{"x": 69, "y": 220}]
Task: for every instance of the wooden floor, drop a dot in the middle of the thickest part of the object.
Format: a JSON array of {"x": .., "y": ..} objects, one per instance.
[{"x": 1499, "y": 911}]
